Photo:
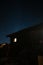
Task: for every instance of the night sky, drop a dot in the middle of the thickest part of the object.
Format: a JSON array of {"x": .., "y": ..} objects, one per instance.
[{"x": 17, "y": 15}]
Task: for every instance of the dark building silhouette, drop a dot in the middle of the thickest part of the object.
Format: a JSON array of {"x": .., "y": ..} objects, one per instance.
[{"x": 27, "y": 45}]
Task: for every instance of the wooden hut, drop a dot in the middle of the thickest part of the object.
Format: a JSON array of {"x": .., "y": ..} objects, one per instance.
[{"x": 28, "y": 44}]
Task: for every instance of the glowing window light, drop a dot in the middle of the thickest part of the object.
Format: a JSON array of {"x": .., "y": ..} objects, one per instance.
[{"x": 15, "y": 40}]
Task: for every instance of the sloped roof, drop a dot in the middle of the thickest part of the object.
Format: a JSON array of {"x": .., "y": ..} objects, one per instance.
[{"x": 27, "y": 29}]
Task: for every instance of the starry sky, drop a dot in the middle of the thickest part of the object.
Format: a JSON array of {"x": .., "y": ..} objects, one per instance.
[{"x": 17, "y": 15}]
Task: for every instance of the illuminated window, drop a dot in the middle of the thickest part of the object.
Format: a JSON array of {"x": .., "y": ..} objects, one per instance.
[
  {"x": 15, "y": 40},
  {"x": 40, "y": 60}
]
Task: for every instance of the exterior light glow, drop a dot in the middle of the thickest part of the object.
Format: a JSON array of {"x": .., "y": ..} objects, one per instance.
[
  {"x": 15, "y": 40},
  {"x": 2, "y": 45}
]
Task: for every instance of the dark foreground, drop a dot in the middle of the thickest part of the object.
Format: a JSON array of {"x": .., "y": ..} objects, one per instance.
[{"x": 10, "y": 55}]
